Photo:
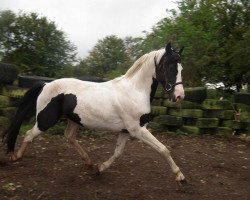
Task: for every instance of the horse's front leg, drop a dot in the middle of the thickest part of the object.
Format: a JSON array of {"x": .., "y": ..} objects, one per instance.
[{"x": 143, "y": 134}]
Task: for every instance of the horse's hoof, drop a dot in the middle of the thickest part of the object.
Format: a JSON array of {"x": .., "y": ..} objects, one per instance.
[
  {"x": 88, "y": 166},
  {"x": 96, "y": 170},
  {"x": 93, "y": 169},
  {"x": 180, "y": 179},
  {"x": 183, "y": 182},
  {"x": 13, "y": 158}
]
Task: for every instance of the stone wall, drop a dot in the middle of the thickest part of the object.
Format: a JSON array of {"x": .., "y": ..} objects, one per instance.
[
  {"x": 199, "y": 115},
  {"x": 196, "y": 114}
]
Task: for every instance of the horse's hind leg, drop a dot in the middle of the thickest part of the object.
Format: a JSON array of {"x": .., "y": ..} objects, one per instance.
[
  {"x": 70, "y": 134},
  {"x": 120, "y": 144},
  {"x": 29, "y": 136}
]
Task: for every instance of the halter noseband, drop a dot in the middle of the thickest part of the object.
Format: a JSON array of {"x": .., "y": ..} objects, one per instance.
[{"x": 169, "y": 86}]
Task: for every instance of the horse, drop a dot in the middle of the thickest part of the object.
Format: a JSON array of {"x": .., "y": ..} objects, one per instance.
[{"x": 120, "y": 105}]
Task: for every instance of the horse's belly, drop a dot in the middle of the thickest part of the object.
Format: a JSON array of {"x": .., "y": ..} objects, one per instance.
[
  {"x": 100, "y": 117},
  {"x": 106, "y": 124}
]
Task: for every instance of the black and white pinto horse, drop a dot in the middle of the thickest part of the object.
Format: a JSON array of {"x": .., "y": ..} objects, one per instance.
[{"x": 120, "y": 105}]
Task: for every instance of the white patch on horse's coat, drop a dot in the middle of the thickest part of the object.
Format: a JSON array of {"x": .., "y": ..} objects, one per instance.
[
  {"x": 178, "y": 77},
  {"x": 179, "y": 90}
]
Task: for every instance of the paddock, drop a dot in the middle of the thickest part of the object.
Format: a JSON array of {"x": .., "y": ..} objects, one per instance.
[{"x": 215, "y": 168}]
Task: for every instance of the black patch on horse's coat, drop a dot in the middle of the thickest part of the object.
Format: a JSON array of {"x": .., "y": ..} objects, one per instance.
[
  {"x": 69, "y": 104},
  {"x": 145, "y": 118},
  {"x": 153, "y": 89},
  {"x": 124, "y": 131},
  {"x": 62, "y": 104},
  {"x": 50, "y": 114}
]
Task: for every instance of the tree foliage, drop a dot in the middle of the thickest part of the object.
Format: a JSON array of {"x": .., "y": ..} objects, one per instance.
[
  {"x": 34, "y": 43},
  {"x": 107, "y": 58},
  {"x": 215, "y": 34}
]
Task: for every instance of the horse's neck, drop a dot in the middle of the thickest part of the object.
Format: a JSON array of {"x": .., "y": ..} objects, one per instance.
[{"x": 143, "y": 80}]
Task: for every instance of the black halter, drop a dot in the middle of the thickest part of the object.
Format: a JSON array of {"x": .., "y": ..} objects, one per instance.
[{"x": 169, "y": 87}]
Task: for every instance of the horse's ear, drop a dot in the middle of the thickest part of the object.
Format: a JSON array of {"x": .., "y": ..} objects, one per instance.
[
  {"x": 168, "y": 48},
  {"x": 181, "y": 50}
]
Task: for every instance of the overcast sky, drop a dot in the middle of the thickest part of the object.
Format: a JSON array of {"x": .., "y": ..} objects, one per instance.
[{"x": 87, "y": 21}]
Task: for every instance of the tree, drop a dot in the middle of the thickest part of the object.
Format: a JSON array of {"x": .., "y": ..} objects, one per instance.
[
  {"x": 34, "y": 44},
  {"x": 234, "y": 18},
  {"x": 132, "y": 46},
  {"x": 107, "y": 58},
  {"x": 6, "y": 19},
  {"x": 215, "y": 34}
]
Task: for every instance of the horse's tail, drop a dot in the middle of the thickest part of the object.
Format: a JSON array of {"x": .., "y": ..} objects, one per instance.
[{"x": 26, "y": 109}]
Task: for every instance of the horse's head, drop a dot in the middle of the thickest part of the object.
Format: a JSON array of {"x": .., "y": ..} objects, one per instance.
[{"x": 168, "y": 73}]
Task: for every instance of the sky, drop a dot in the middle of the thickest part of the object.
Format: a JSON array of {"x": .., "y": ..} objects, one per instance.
[{"x": 86, "y": 21}]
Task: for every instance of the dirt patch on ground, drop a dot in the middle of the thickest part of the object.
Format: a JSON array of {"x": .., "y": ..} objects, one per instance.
[{"x": 215, "y": 168}]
